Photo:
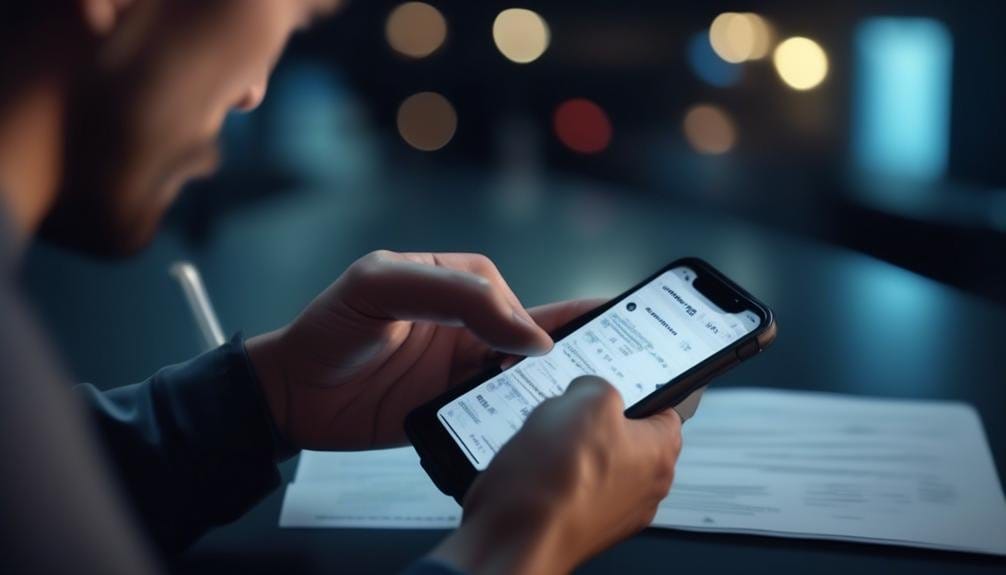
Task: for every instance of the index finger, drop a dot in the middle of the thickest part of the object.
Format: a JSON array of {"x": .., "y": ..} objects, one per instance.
[
  {"x": 386, "y": 286},
  {"x": 551, "y": 317}
]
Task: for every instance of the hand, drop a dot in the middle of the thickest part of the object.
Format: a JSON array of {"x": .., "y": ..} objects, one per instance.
[
  {"x": 394, "y": 331},
  {"x": 577, "y": 478}
]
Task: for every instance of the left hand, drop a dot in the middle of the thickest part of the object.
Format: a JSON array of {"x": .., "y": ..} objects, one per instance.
[
  {"x": 589, "y": 478},
  {"x": 394, "y": 331}
]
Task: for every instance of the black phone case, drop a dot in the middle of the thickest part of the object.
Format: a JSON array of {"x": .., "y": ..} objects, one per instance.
[{"x": 683, "y": 396}]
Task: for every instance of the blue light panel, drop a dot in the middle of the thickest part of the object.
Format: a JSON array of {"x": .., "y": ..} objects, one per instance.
[{"x": 901, "y": 116}]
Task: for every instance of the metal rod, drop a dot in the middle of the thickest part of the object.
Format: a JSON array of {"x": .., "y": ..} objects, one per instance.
[{"x": 199, "y": 303}]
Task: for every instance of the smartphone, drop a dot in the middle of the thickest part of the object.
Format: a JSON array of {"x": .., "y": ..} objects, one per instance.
[{"x": 658, "y": 344}]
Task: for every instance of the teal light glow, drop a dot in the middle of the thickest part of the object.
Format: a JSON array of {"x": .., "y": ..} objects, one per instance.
[
  {"x": 708, "y": 66},
  {"x": 901, "y": 117}
]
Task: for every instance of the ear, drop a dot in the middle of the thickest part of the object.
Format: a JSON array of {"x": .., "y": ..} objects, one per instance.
[{"x": 101, "y": 16}]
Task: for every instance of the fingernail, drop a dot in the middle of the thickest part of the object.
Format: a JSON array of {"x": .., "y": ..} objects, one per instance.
[{"x": 542, "y": 346}]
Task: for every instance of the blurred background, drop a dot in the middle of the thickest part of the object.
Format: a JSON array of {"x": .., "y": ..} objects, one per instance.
[
  {"x": 582, "y": 144},
  {"x": 876, "y": 125}
]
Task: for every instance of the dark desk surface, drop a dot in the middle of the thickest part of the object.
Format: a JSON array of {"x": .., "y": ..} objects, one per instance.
[{"x": 848, "y": 323}]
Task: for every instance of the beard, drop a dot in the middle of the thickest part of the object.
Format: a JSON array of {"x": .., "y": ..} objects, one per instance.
[
  {"x": 106, "y": 210},
  {"x": 121, "y": 172}
]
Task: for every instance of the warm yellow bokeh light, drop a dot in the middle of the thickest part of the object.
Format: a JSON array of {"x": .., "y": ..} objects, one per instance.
[
  {"x": 801, "y": 63},
  {"x": 763, "y": 35},
  {"x": 521, "y": 35},
  {"x": 709, "y": 130},
  {"x": 732, "y": 37},
  {"x": 739, "y": 37},
  {"x": 416, "y": 29},
  {"x": 427, "y": 121}
]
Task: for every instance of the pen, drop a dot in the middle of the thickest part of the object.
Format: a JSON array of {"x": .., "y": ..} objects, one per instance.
[{"x": 191, "y": 281}]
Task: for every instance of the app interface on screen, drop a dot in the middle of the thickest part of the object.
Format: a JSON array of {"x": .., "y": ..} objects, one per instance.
[{"x": 649, "y": 338}]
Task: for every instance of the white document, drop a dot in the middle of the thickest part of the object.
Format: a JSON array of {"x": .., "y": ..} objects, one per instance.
[
  {"x": 385, "y": 488},
  {"x": 818, "y": 465},
  {"x": 790, "y": 464}
]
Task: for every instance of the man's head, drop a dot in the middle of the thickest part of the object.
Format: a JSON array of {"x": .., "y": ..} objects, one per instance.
[{"x": 150, "y": 85}]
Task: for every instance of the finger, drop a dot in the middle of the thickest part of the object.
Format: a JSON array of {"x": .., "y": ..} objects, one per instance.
[
  {"x": 658, "y": 427},
  {"x": 483, "y": 266},
  {"x": 387, "y": 286},
  {"x": 551, "y": 317},
  {"x": 477, "y": 264},
  {"x": 662, "y": 429},
  {"x": 586, "y": 401},
  {"x": 596, "y": 391}
]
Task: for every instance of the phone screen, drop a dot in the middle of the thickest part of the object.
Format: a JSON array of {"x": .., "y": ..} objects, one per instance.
[{"x": 655, "y": 334}]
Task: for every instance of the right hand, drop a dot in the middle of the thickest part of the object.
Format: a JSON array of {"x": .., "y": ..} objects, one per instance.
[
  {"x": 576, "y": 479},
  {"x": 394, "y": 331}
]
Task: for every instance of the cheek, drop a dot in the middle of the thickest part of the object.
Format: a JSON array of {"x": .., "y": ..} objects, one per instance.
[
  {"x": 220, "y": 59},
  {"x": 141, "y": 127},
  {"x": 250, "y": 44}
]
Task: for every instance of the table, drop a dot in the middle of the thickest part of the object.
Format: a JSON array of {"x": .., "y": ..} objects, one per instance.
[{"x": 848, "y": 323}]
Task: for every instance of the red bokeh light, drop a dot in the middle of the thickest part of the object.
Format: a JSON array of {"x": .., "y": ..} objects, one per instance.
[{"x": 582, "y": 126}]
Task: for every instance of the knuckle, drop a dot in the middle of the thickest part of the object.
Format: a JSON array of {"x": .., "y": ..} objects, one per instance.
[
  {"x": 370, "y": 265},
  {"x": 482, "y": 261},
  {"x": 378, "y": 256},
  {"x": 659, "y": 466},
  {"x": 591, "y": 462},
  {"x": 607, "y": 394},
  {"x": 665, "y": 477},
  {"x": 610, "y": 401},
  {"x": 601, "y": 394},
  {"x": 481, "y": 264},
  {"x": 677, "y": 443},
  {"x": 663, "y": 468}
]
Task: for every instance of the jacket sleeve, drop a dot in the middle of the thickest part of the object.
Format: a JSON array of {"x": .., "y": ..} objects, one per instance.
[{"x": 194, "y": 445}]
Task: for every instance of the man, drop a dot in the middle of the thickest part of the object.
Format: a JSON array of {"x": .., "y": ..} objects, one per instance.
[{"x": 107, "y": 107}]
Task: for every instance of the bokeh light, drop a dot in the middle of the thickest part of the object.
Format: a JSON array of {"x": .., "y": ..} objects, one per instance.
[
  {"x": 427, "y": 121},
  {"x": 739, "y": 37},
  {"x": 801, "y": 63},
  {"x": 416, "y": 29},
  {"x": 763, "y": 36},
  {"x": 708, "y": 66},
  {"x": 709, "y": 130},
  {"x": 732, "y": 37},
  {"x": 582, "y": 126},
  {"x": 521, "y": 35}
]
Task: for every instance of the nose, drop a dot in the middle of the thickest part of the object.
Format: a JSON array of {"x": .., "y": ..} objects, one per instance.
[{"x": 252, "y": 97}]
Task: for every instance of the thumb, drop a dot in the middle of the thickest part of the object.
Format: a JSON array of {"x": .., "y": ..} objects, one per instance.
[
  {"x": 385, "y": 286},
  {"x": 589, "y": 392}
]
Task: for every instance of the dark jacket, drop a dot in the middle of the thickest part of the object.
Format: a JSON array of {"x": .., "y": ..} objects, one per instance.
[{"x": 105, "y": 482}]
